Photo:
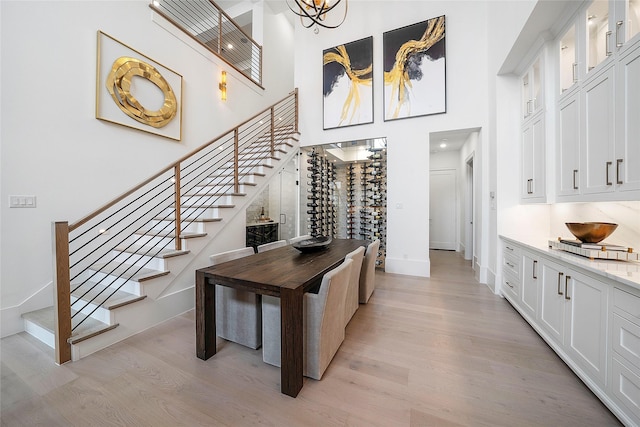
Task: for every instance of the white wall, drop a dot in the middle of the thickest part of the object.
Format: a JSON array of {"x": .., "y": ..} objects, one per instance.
[
  {"x": 54, "y": 148},
  {"x": 407, "y": 139}
]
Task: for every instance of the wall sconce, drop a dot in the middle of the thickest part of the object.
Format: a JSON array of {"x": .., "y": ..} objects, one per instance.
[{"x": 223, "y": 86}]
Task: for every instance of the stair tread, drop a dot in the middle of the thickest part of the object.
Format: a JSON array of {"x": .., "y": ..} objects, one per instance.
[
  {"x": 90, "y": 290},
  {"x": 172, "y": 218},
  {"x": 204, "y": 206},
  {"x": 122, "y": 269},
  {"x": 183, "y": 235},
  {"x": 152, "y": 251},
  {"x": 45, "y": 318},
  {"x": 214, "y": 194}
]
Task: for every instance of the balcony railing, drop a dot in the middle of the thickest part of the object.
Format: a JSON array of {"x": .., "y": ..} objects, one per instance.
[{"x": 210, "y": 26}]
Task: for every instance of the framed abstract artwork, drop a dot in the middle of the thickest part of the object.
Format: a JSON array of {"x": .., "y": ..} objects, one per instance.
[
  {"x": 414, "y": 70},
  {"x": 347, "y": 77},
  {"x": 135, "y": 91}
]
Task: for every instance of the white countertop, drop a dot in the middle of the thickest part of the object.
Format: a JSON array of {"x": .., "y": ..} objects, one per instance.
[{"x": 626, "y": 272}]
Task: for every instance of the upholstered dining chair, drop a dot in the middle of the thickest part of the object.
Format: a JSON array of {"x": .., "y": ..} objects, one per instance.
[
  {"x": 299, "y": 238},
  {"x": 238, "y": 313},
  {"x": 353, "y": 293},
  {"x": 323, "y": 323},
  {"x": 272, "y": 245},
  {"x": 368, "y": 272}
]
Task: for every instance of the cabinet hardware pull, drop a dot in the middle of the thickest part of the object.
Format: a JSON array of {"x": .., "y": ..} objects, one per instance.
[
  {"x": 566, "y": 287},
  {"x": 608, "y": 165},
  {"x": 574, "y": 72},
  {"x": 529, "y": 103},
  {"x": 530, "y": 186},
  {"x": 510, "y": 265},
  {"x": 575, "y": 171},
  {"x": 618, "y": 162},
  {"x": 508, "y": 248},
  {"x": 559, "y": 283},
  {"x": 618, "y": 25},
  {"x": 535, "y": 274},
  {"x": 508, "y": 284},
  {"x": 606, "y": 43}
]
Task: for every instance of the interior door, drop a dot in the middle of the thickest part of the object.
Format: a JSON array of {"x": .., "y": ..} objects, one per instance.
[{"x": 442, "y": 209}]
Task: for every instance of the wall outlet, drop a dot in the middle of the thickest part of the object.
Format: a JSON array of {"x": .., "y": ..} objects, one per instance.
[{"x": 22, "y": 201}]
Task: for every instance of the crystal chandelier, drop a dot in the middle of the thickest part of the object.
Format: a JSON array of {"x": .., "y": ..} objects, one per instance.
[{"x": 314, "y": 12}]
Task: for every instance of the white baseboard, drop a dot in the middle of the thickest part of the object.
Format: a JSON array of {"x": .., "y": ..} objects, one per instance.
[
  {"x": 419, "y": 268},
  {"x": 11, "y": 317}
]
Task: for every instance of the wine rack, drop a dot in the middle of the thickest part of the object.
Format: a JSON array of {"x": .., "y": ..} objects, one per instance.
[
  {"x": 320, "y": 206},
  {"x": 347, "y": 201}
]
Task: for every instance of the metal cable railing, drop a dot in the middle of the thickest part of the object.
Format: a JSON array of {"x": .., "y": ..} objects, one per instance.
[
  {"x": 127, "y": 239},
  {"x": 210, "y": 26}
]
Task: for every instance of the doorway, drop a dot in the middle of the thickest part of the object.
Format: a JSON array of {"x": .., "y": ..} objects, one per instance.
[
  {"x": 468, "y": 211},
  {"x": 442, "y": 214}
]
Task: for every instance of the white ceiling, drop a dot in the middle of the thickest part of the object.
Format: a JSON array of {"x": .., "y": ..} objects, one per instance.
[{"x": 454, "y": 139}]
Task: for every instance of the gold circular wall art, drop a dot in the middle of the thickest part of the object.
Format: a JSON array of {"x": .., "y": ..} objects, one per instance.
[{"x": 119, "y": 86}]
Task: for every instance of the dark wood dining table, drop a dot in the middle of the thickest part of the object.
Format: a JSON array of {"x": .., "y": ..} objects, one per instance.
[{"x": 284, "y": 272}]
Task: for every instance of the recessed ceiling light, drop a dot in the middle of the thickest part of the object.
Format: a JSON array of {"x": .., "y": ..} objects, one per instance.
[
  {"x": 443, "y": 145},
  {"x": 230, "y": 46}
]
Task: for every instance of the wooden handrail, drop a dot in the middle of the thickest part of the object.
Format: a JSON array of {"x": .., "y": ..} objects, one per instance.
[{"x": 177, "y": 163}]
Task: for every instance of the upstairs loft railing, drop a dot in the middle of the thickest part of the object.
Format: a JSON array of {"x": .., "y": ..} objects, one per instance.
[
  {"x": 97, "y": 255},
  {"x": 210, "y": 26}
]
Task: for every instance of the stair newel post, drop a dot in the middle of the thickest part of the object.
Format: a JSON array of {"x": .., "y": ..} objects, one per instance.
[
  {"x": 62, "y": 292},
  {"x": 273, "y": 130},
  {"x": 236, "y": 149},
  {"x": 176, "y": 175},
  {"x": 295, "y": 116}
]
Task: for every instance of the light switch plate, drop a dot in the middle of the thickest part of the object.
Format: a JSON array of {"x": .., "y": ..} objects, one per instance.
[{"x": 22, "y": 201}]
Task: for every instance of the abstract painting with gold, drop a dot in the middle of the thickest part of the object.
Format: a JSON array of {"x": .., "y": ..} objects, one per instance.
[
  {"x": 347, "y": 75},
  {"x": 414, "y": 70}
]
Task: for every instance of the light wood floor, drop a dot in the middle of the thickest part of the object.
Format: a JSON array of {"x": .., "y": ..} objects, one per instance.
[{"x": 443, "y": 351}]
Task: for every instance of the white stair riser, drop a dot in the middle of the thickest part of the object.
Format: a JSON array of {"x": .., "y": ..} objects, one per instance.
[
  {"x": 163, "y": 239},
  {"x": 101, "y": 314},
  {"x": 207, "y": 199},
  {"x": 193, "y": 227},
  {"x": 141, "y": 260},
  {"x": 190, "y": 214},
  {"x": 115, "y": 282},
  {"x": 40, "y": 333},
  {"x": 228, "y": 180}
]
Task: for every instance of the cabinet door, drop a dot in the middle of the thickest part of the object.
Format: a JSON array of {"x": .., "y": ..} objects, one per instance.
[
  {"x": 552, "y": 303},
  {"x": 627, "y": 156},
  {"x": 586, "y": 322},
  {"x": 597, "y": 158},
  {"x": 533, "y": 171},
  {"x": 568, "y": 60},
  {"x": 568, "y": 146},
  {"x": 529, "y": 286}
]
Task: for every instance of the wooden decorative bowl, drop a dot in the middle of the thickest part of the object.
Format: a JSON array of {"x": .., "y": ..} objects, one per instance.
[{"x": 591, "y": 232}]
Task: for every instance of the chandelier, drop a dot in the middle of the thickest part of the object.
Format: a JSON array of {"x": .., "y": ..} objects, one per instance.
[{"x": 314, "y": 12}]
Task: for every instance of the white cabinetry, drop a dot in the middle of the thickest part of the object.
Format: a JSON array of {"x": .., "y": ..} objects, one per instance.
[
  {"x": 529, "y": 288},
  {"x": 597, "y": 151},
  {"x": 533, "y": 187},
  {"x": 627, "y": 152},
  {"x": 625, "y": 359},
  {"x": 574, "y": 314},
  {"x": 598, "y": 142},
  {"x": 591, "y": 320},
  {"x": 568, "y": 146}
]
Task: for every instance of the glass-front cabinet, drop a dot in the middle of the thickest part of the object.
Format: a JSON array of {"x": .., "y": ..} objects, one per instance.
[
  {"x": 532, "y": 100},
  {"x": 611, "y": 25},
  {"x": 568, "y": 59},
  {"x": 597, "y": 153}
]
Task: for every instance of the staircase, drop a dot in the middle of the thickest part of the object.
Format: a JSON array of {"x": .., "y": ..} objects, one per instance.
[{"x": 131, "y": 264}]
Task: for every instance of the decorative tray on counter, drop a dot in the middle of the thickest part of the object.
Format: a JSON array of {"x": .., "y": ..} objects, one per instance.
[{"x": 595, "y": 250}]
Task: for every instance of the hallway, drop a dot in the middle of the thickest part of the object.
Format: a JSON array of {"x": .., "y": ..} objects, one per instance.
[{"x": 439, "y": 352}]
